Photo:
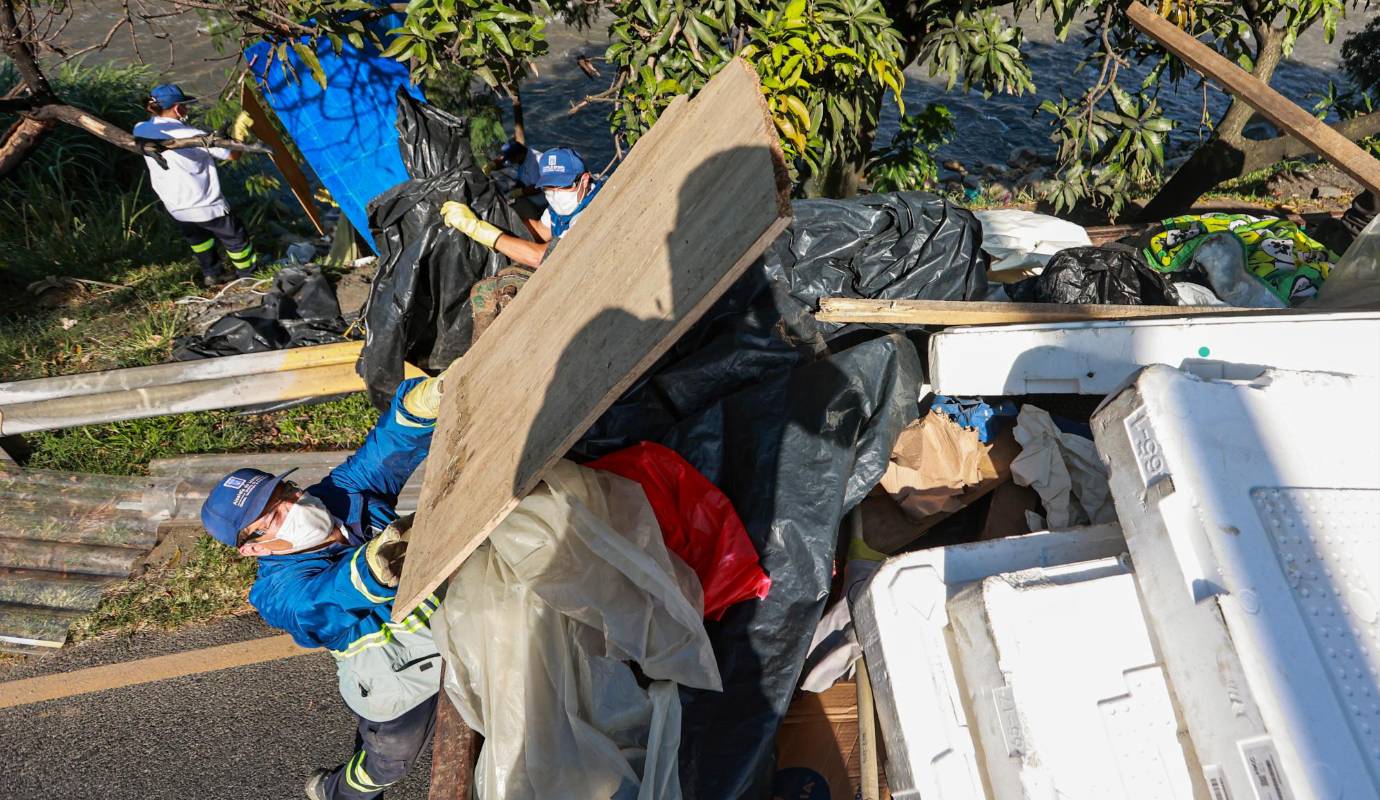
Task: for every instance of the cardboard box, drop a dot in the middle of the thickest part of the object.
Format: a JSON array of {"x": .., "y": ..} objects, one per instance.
[{"x": 817, "y": 749}]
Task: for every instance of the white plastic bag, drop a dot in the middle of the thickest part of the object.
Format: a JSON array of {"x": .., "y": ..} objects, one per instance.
[
  {"x": 535, "y": 627},
  {"x": 1019, "y": 239}
]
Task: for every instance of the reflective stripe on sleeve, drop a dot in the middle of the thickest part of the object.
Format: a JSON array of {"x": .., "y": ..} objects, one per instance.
[{"x": 358, "y": 580}]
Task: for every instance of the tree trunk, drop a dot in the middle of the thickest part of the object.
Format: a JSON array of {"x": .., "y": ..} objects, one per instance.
[
  {"x": 1223, "y": 156},
  {"x": 519, "y": 125},
  {"x": 844, "y": 175},
  {"x": 13, "y": 44}
]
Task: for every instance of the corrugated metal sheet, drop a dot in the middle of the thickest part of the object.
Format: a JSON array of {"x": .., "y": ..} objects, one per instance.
[
  {"x": 63, "y": 538},
  {"x": 201, "y": 472}
]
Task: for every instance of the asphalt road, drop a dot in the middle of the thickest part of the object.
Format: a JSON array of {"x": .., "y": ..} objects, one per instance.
[{"x": 251, "y": 732}]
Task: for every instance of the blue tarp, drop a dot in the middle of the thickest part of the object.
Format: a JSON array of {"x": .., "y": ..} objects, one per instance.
[{"x": 346, "y": 130}]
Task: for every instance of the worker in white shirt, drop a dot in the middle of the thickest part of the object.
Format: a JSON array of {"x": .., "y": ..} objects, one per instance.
[{"x": 189, "y": 186}]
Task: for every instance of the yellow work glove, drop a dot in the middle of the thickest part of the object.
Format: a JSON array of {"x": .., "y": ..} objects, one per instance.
[
  {"x": 462, "y": 218},
  {"x": 424, "y": 399},
  {"x": 385, "y": 553},
  {"x": 239, "y": 129}
]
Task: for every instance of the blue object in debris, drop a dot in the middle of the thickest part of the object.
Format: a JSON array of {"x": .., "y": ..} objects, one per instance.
[
  {"x": 975, "y": 414},
  {"x": 345, "y": 131}
]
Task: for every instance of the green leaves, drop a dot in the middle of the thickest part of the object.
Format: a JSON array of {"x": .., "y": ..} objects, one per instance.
[
  {"x": 981, "y": 50},
  {"x": 308, "y": 56},
  {"x": 493, "y": 40},
  {"x": 1109, "y": 150},
  {"x": 908, "y": 163},
  {"x": 823, "y": 65}
]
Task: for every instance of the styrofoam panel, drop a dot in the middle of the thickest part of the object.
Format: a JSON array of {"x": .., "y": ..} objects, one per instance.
[
  {"x": 1062, "y": 679},
  {"x": 1252, "y": 513},
  {"x": 900, "y": 617},
  {"x": 1096, "y": 357}
]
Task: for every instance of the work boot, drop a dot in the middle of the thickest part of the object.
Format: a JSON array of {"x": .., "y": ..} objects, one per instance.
[
  {"x": 316, "y": 784},
  {"x": 207, "y": 281}
]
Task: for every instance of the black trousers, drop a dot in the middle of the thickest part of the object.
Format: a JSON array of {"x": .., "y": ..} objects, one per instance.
[
  {"x": 384, "y": 752},
  {"x": 225, "y": 231}
]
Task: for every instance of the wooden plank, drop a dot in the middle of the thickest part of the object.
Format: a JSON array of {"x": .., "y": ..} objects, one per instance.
[
  {"x": 1274, "y": 106},
  {"x": 695, "y": 202},
  {"x": 454, "y": 752},
  {"x": 973, "y": 312},
  {"x": 282, "y": 156}
]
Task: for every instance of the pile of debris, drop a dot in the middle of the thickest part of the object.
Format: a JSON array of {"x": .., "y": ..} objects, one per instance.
[{"x": 737, "y": 490}]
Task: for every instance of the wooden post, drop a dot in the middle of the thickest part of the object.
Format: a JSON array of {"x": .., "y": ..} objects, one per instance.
[
  {"x": 1277, "y": 108},
  {"x": 454, "y": 752},
  {"x": 282, "y": 157}
]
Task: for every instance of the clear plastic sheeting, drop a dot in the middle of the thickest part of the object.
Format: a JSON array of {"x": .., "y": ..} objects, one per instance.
[
  {"x": 536, "y": 626},
  {"x": 1355, "y": 281},
  {"x": 63, "y": 538}
]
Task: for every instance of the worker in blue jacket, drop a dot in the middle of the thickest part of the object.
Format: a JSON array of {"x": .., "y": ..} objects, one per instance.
[{"x": 330, "y": 557}]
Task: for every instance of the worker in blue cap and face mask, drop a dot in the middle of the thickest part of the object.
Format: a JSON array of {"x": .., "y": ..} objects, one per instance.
[
  {"x": 568, "y": 188},
  {"x": 330, "y": 557},
  {"x": 189, "y": 185}
]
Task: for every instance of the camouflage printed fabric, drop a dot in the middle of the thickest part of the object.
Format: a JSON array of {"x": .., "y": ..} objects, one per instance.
[{"x": 1276, "y": 250}]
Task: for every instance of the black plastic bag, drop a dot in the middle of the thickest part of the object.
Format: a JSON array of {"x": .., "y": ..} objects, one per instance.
[
  {"x": 901, "y": 245},
  {"x": 1112, "y": 274},
  {"x": 301, "y": 309},
  {"x": 418, "y": 308}
]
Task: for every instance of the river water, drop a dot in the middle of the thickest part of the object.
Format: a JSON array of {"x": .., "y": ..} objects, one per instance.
[{"x": 988, "y": 129}]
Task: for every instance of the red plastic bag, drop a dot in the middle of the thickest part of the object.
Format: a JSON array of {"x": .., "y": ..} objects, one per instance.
[{"x": 697, "y": 521}]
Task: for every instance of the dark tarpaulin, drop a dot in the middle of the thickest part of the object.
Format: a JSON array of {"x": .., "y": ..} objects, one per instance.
[
  {"x": 794, "y": 454},
  {"x": 795, "y": 435},
  {"x": 301, "y": 309},
  {"x": 418, "y": 308}
]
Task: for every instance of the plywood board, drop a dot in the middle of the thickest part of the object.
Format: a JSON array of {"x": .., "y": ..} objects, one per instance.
[
  {"x": 976, "y": 312},
  {"x": 1277, "y": 108},
  {"x": 696, "y": 201},
  {"x": 282, "y": 156}
]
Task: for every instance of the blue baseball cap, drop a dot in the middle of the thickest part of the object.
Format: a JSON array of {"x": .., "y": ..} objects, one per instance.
[
  {"x": 560, "y": 168},
  {"x": 170, "y": 94},
  {"x": 513, "y": 152},
  {"x": 238, "y": 500}
]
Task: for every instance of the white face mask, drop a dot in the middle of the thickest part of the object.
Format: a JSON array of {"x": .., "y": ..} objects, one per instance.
[
  {"x": 308, "y": 524},
  {"x": 563, "y": 202}
]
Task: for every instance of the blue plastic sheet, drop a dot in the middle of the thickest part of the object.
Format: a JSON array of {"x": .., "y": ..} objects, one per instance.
[
  {"x": 345, "y": 131},
  {"x": 974, "y": 414}
]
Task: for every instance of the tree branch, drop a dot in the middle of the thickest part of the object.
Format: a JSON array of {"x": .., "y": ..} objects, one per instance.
[
  {"x": 1263, "y": 153},
  {"x": 14, "y": 45}
]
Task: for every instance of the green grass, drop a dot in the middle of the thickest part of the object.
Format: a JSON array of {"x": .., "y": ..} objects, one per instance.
[
  {"x": 209, "y": 582},
  {"x": 80, "y": 209}
]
